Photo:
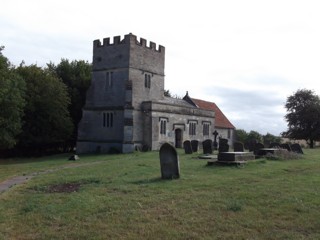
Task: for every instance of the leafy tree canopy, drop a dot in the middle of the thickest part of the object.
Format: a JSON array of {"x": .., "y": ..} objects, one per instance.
[
  {"x": 242, "y": 135},
  {"x": 12, "y": 89},
  {"x": 47, "y": 121},
  {"x": 303, "y": 116},
  {"x": 76, "y": 75}
]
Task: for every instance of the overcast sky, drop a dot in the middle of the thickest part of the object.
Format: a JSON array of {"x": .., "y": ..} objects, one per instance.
[{"x": 247, "y": 56}]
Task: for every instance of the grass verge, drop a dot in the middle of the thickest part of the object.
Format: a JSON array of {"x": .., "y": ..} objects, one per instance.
[{"x": 123, "y": 197}]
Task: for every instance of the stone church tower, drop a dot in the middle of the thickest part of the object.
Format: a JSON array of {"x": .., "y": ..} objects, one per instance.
[
  {"x": 125, "y": 106},
  {"x": 125, "y": 73}
]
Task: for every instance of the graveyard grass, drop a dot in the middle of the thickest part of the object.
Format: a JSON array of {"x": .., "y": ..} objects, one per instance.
[{"x": 123, "y": 197}]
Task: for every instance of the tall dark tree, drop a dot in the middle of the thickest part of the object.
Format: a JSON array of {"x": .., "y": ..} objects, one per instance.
[
  {"x": 12, "y": 88},
  {"x": 77, "y": 77},
  {"x": 47, "y": 123},
  {"x": 254, "y": 135},
  {"x": 241, "y": 135},
  {"x": 303, "y": 116}
]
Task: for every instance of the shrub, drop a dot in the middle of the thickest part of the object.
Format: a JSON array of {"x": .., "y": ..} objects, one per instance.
[{"x": 283, "y": 154}]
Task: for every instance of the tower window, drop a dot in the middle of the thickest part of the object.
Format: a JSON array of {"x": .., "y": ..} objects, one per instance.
[
  {"x": 192, "y": 128},
  {"x": 107, "y": 119},
  {"x": 109, "y": 80},
  {"x": 147, "y": 80}
]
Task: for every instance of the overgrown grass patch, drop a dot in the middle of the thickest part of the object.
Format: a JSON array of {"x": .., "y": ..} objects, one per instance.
[{"x": 122, "y": 197}]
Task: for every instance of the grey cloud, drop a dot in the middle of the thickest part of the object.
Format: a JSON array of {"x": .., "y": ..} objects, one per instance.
[{"x": 255, "y": 110}]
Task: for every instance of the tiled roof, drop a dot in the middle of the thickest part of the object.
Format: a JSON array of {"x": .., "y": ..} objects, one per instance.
[{"x": 221, "y": 120}]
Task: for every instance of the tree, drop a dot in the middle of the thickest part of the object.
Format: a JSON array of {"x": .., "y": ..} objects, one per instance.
[
  {"x": 303, "y": 116},
  {"x": 254, "y": 135},
  {"x": 12, "y": 88},
  {"x": 241, "y": 135},
  {"x": 269, "y": 138},
  {"x": 167, "y": 93},
  {"x": 47, "y": 123},
  {"x": 76, "y": 75}
]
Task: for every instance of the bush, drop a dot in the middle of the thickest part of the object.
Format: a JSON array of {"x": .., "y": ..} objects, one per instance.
[{"x": 283, "y": 154}]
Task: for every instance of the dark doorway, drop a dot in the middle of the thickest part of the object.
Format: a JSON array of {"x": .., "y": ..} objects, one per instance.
[{"x": 178, "y": 138}]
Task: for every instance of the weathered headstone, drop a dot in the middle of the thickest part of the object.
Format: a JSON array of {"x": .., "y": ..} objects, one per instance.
[
  {"x": 285, "y": 146},
  {"x": 223, "y": 145},
  {"x": 169, "y": 162},
  {"x": 194, "y": 145},
  {"x": 251, "y": 144},
  {"x": 257, "y": 148},
  {"x": 187, "y": 147},
  {"x": 207, "y": 146},
  {"x": 238, "y": 147},
  {"x": 296, "y": 148},
  {"x": 223, "y": 141},
  {"x": 274, "y": 145}
]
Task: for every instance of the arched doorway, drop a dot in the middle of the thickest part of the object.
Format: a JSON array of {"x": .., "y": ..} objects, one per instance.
[{"x": 178, "y": 138}]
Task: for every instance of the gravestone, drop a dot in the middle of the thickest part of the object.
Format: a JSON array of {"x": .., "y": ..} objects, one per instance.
[
  {"x": 274, "y": 145},
  {"x": 187, "y": 147},
  {"x": 207, "y": 146},
  {"x": 238, "y": 147},
  {"x": 169, "y": 162},
  {"x": 251, "y": 144},
  {"x": 257, "y": 148},
  {"x": 296, "y": 148},
  {"x": 194, "y": 145},
  {"x": 285, "y": 146},
  {"x": 223, "y": 145}
]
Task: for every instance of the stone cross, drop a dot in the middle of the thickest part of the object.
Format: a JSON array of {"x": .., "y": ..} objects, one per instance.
[{"x": 215, "y": 143}]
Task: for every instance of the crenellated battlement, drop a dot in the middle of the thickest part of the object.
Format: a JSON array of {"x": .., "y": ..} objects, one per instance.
[{"x": 128, "y": 39}]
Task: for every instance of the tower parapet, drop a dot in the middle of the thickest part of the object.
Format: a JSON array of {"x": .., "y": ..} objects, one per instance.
[{"x": 129, "y": 38}]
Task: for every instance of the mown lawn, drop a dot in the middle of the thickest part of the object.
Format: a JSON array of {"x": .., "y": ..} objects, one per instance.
[{"x": 123, "y": 197}]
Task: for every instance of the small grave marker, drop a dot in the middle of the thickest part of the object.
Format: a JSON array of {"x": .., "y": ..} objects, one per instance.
[
  {"x": 187, "y": 147},
  {"x": 207, "y": 146},
  {"x": 194, "y": 145},
  {"x": 238, "y": 147},
  {"x": 296, "y": 148}
]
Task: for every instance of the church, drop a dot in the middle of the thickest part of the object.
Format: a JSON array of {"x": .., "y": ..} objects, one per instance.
[{"x": 126, "y": 108}]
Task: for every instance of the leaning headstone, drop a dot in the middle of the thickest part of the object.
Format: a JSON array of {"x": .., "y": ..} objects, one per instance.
[
  {"x": 194, "y": 145},
  {"x": 296, "y": 148},
  {"x": 207, "y": 146},
  {"x": 274, "y": 145},
  {"x": 187, "y": 147},
  {"x": 169, "y": 162},
  {"x": 285, "y": 146},
  {"x": 223, "y": 141},
  {"x": 223, "y": 145},
  {"x": 257, "y": 148},
  {"x": 238, "y": 147}
]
